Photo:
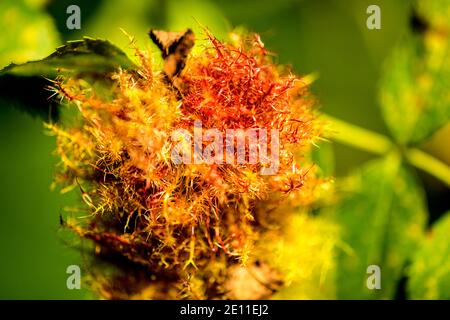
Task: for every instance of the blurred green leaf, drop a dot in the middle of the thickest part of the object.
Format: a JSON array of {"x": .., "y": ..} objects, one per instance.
[
  {"x": 414, "y": 90},
  {"x": 28, "y": 33},
  {"x": 429, "y": 274},
  {"x": 382, "y": 218},
  {"x": 435, "y": 12},
  {"x": 87, "y": 58}
]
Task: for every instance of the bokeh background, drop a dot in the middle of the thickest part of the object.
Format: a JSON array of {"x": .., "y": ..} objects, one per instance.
[{"x": 326, "y": 37}]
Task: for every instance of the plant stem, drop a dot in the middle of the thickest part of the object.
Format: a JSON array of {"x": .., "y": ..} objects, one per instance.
[
  {"x": 376, "y": 143},
  {"x": 358, "y": 137},
  {"x": 431, "y": 165}
]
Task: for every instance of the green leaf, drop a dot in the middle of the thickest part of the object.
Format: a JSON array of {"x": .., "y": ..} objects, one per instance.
[
  {"x": 414, "y": 90},
  {"x": 82, "y": 58},
  {"x": 92, "y": 56},
  {"x": 28, "y": 33},
  {"x": 382, "y": 217},
  {"x": 429, "y": 274}
]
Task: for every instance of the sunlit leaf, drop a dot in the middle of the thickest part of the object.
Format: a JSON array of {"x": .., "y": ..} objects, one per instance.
[
  {"x": 382, "y": 217},
  {"x": 28, "y": 33},
  {"x": 414, "y": 94},
  {"x": 429, "y": 274}
]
